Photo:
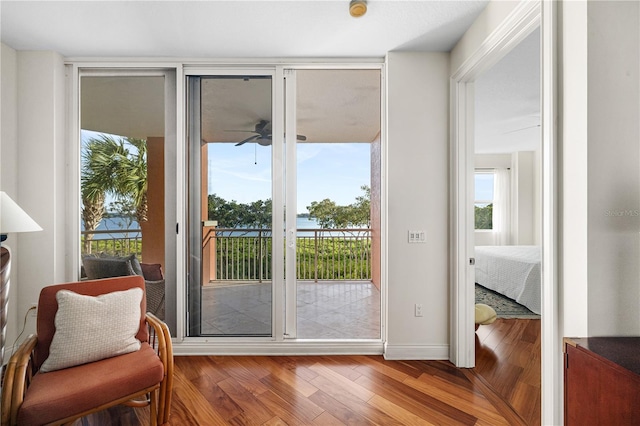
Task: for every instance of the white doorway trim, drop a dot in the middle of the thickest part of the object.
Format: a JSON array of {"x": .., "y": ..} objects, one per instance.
[{"x": 527, "y": 16}]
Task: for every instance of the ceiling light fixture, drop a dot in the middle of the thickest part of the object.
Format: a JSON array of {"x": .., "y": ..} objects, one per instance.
[{"x": 357, "y": 8}]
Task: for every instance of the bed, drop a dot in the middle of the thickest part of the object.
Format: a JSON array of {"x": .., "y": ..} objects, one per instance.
[{"x": 513, "y": 271}]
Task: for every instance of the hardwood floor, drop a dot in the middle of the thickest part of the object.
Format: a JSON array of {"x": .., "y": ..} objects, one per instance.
[
  {"x": 504, "y": 388},
  {"x": 508, "y": 358}
]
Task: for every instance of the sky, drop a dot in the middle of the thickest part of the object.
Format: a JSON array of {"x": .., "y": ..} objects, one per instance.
[
  {"x": 484, "y": 186},
  {"x": 325, "y": 170}
]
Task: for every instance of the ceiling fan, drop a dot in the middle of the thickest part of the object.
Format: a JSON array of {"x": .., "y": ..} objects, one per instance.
[{"x": 262, "y": 134}]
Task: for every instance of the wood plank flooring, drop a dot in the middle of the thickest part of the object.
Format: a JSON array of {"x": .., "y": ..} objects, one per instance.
[
  {"x": 504, "y": 388},
  {"x": 508, "y": 358}
]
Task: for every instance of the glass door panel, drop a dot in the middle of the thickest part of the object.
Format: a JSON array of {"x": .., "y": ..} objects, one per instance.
[
  {"x": 126, "y": 200},
  {"x": 230, "y": 205},
  {"x": 337, "y": 212}
]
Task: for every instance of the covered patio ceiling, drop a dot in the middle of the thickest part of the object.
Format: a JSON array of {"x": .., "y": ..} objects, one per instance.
[{"x": 332, "y": 106}]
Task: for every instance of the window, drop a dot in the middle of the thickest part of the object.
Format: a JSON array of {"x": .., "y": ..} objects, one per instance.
[{"x": 484, "y": 197}]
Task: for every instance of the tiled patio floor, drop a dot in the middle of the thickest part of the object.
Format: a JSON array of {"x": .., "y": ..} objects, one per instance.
[{"x": 326, "y": 310}]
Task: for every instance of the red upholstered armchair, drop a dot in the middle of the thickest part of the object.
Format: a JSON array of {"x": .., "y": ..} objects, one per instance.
[{"x": 49, "y": 380}]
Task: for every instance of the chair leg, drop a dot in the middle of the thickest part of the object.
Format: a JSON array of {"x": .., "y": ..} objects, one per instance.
[{"x": 153, "y": 407}]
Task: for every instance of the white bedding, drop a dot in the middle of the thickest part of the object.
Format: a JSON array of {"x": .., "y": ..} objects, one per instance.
[{"x": 513, "y": 271}]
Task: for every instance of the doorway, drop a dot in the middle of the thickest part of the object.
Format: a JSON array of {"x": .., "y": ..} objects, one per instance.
[
  {"x": 263, "y": 148},
  {"x": 507, "y": 235},
  {"x": 520, "y": 23}
]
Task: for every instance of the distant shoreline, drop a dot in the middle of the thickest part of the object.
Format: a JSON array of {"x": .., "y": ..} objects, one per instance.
[{"x": 118, "y": 229}]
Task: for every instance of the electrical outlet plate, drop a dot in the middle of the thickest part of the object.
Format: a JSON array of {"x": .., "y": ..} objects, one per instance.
[{"x": 418, "y": 309}]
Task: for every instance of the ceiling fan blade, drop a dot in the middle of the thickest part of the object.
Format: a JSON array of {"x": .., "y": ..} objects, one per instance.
[
  {"x": 249, "y": 139},
  {"x": 261, "y": 125}
]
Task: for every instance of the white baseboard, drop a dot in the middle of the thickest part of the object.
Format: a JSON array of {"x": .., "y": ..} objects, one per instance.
[
  {"x": 197, "y": 346},
  {"x": 415, "y": 352}
]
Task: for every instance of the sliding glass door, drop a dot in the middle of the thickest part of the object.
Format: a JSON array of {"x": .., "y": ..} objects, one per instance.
[
  {"x": 284, "y": 204},
  {"x": 333, "y": 203},
  {"x": 230, "y": 199},
  {"x": 127, "y": 179}
]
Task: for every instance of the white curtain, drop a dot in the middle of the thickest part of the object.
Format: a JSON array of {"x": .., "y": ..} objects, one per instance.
[{"x": 502, "y": 207}]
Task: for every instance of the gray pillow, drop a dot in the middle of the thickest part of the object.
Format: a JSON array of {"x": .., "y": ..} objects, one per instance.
[
  {"x": 135, "y": 265},
  {"x": 98, "y": 267}
]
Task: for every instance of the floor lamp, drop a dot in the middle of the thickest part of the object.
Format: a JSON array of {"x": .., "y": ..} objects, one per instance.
[{"x": 12, "y": 219}]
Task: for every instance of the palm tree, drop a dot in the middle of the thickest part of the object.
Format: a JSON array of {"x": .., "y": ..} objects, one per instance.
[
  {"x": 110, "y": 167},
  {"x": 92, "y": 212},
  {"x": 131, "y": 177}
]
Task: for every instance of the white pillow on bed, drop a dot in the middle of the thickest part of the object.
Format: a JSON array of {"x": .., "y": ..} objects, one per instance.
[{"x": 93, "y": 328}]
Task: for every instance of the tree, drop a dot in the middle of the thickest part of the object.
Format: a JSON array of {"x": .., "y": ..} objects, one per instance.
[
  {"x": 484, "y": 217},
  {"x": 258, "y": 214},
  {"x": 361, "y": 209},
  {"x": 325, "y": 212},
  {"x": 92, "y": 212},
  {"x": 125, "y": 209},
  {"x": 115, "y": 166},
  {"x": 330, "y": 215},
  {"x": 131, "y": 180},
  {"x": 231, "y": 214}
]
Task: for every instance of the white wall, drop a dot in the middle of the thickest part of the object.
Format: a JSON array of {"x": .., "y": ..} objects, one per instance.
[
  {"x": 35, "y": 154},
  {"x": 613, "y": 118},
  {"x": 417, "y": 188},
  {"x": 9, "y": 170},
  {"x": 600, "y": 210}
]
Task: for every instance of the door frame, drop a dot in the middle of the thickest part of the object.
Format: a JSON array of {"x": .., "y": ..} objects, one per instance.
[
  {"x": 280, "y": 342},
  {"x": 193, "y": 175},
  {"x": 527, "y": 15}
]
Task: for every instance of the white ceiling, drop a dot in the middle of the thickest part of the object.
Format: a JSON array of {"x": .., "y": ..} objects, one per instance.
[
  {"x": 234, "y": 29},
  {"x": 507, "y": 95},
  {"x": 507, "y": 113}
]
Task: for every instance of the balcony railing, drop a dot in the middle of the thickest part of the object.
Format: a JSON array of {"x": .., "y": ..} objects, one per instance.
[
  {"x": 245, "y": 254},
  {"x": 117, "y": 242},
  {"x": 321, "y": 254}
]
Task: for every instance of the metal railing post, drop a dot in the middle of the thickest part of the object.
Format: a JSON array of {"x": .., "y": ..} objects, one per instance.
[{"x": 315, "y": 259}]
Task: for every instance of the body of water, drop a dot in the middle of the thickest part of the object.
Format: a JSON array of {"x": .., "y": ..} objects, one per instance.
[
  {"x": 115, "y": 224},
  {"x": 118, "y": 224}
]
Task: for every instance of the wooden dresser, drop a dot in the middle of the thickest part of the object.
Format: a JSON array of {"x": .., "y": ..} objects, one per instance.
[{"x": 602, "y": 381}]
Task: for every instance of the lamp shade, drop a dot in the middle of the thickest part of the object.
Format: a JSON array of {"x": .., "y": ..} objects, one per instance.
[{"x": 13, "y": 218}]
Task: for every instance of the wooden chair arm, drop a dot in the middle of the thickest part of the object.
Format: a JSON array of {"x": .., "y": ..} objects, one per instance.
[
  {"x": 17, "y": 378},
  {"x": 160, "y": 340}
]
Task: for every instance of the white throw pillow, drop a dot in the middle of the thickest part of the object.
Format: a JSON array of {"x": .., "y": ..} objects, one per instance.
[{"x": 93, "y": 328}]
